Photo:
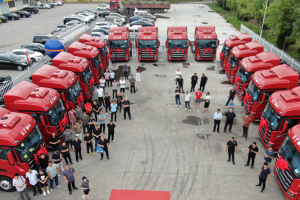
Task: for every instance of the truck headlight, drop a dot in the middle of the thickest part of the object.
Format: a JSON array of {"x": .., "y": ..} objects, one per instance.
[
  {"x": 292, "y": 195},
  {"x": 252, "y": 114}
]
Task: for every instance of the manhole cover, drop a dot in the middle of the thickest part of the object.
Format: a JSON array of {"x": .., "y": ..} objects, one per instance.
[
  {"x": 204, "y": 22},
  {"x": 158, "y": 65},
  {"x": 158, "y": 75},
  {"x": 161, "y": 59}
]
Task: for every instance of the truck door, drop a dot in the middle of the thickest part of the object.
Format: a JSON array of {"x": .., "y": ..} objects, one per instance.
[{"x": 7, "y": 168}]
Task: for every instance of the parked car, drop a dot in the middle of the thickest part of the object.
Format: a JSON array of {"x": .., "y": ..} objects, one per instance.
[
  {"x": 144, "y": 14},
  {"x": 70, "y": 18},
  {"x": 99, "y": 35},
  {"x": 34, "y": 56},
  {"x": 41, "y": 38},
  {"x": 88, "y": 15},
  {"x": 102, "y": 24},
  {"x": 102, "y": 30},
  {"x": 70, "y": 23},
  {"x": 135, "y": 18},
  {"x": 103, "y": 7},
  {"x": 62, "y": 26},
  {"x": 51, "y": 4},
  {"x": 57, "y": 3},
  {"x": 12, "y": 61},
  {"x": 89, "y": 10},
  {"x": 147, "y": 20},
  {"x": 114, "y": 20},
  {"x": 118, "y": 15},
  {"x": 31, "y": 9},
  {"x": 84, "y": 18},
  {"x": 104, "y": 13},
  {"x": 3, "y": 19},
  {"x": 23, "y": 13},
  {"x": 134, "y": 31},
  {"x": 44, "y": 6},
  {"x": 11, "y": 16},
  {"x": 57, "y": 30},
  {"x": 35, "y": 47},
  {"x": 142, "y": 23}
]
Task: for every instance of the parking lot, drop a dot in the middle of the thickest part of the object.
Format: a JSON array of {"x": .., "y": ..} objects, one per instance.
[{"x": 163, "y": 147}]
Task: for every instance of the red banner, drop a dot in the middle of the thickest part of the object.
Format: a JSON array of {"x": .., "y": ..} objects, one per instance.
[
  {"x": 206, "y": 50},
  {"x": 117, "y": 50},
  {"x": 147, "y": 50},
  {"x": 178, "y": 49},
  {"x": 221, "y": 56},
  {"x": 282, "y": 164},
  {"x": 28, "y": 59},
  {"x": 237, "y": 82}
]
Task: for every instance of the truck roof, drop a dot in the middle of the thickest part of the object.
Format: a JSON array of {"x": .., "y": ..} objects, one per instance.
[
  {"x": 248, "y": 49},
  {"x": 238, "y": 40},
  {"x": 118, "y": 33},
  {"x": 83, "y": 50},
  {"x": 205, "y": 32},
  {"x": 13, "y": 127},
  {"x": 93, "y": 41},
  {"x": 261, "y": 61},
  {"x": 279, "y": 77},
  {"x": 67, "y": 61},
  {"x": 50, "y": 76},
  {"x": 294, "y": 135},
  {"x": 177, "y": 32},
  {"x": 148, "y": 33},
  {"x": 30, "y": 97}
]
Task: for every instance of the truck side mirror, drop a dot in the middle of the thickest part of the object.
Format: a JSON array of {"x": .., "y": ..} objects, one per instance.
[
  {"x": 10, "y": 158},
  {"x": 63, "y": 97},
  {"x": 43, "y": 122},
  {"x": 189, "y": 43},
  {"x": 218, "y": 42},
  {"x": 130, "y": 43},
  {"x": 158, "y": 44},
  {"x": 285, "y": 125},
  {"x": 136, "y": 44},
  {"x": 195, "y": 43}
]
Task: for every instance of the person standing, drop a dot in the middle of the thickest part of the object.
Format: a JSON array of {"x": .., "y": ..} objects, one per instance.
[
  {"x": 54, "y": 141},
  {"x": 78, "y": 131},
  {"x": 125, "y": 71},
  {"x": 122, "y": 86},
  {"x": 126, "y": 106},
  {"x": 102, "y": 83},
  {"x": 43, "y": 180},
  {"x": 20, "y": 183},
  {"x": 68, "y": 136},
  {"x": 217, "y": 120},
  {"x": 96, "y": 109},
  {"x": 177, "y": 96},
  {"x": 107, "y": 102},
  {"x": 178, "y": 74},
  {"x": 66, "y": 153},
  {"x": 112, "y": 76},
  {"x": 104, "y": 143},
  {"x": 119, "y": 101},
  {"x": 231, "y": 147},
  {"x": 43, "y": 161},
  {"x": 180, "y": 82},
  {"x": 198, "y": 95},
  {"x": 231, "y": 105},
  {"x": 33, "y": 181},
  {"x": 264, "y": 175},
  {"x": 114, "y": 88},
  {"x": 194, "y": 82},
  {"x": 138, "y": 74},
  {"x": 97, "y": 134},
  {"x": 203, "y": 82},
  {"x": 111, "y": 131},
  {"x": 56, "y": 158},
  {"x": 69, "y": 174},
  {"x": 113, "y": 108},
  {"x": 100, "y": 95},
  {"x": 231, "y": 96},
  {"x": 102, "y": 118},
  {"x": 88, "y": 139},
  {"x": 53, "y": 174},
  {"x": 207, "y": 102},
  {"x": 85, "y": 123},
  {"x": 113, "y": 60},
  {"x": 252, "y": 151},
  {"x": 269, "y": 155},
  {"x": 132, "y": 84},
  {"x": 92, "y": 123},
  {"x": 107, "y": 77},
  {"x": 77, "y": 146},
  {"x": 229, "y": 120},
  {"x": 72, "y": 117},
  {"x": 88, "y": 108},
  {"x": 78, "y": 113},
  {"x": 85, "y": 186},
  {"x": 187, "y": 100},
  {"x": 247, "y": 121}
]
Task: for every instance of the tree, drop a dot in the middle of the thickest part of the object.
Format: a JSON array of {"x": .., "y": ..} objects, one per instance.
[
  {"x": 232, "y": 5},
  {"x": 243, "y": 8},
  {"x": 257, "y": 8}
]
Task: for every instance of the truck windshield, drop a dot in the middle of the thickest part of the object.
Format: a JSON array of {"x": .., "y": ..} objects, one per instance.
[
  {"x": 74, "y": 91},
  {"x": 177, "y": 43},
  {"x": 243, "y": 74},
  {"x": 254, "y": 91},
  {"x": 207, "y": 43},
  {"x": 55, "y": 112},
  {"x": 118, "y": 43},
  {"x": 233, "y": 60},
  {"x": 97, "y": 61},
  {"x": 225, "y": 50},
  {"x": 291, "y": 154},
  {"x": 29, "y": 144},
  {"x": 87, "y": 75},
  {"x": 271, "y": 116},
  {"x": 147, "y": 43}
]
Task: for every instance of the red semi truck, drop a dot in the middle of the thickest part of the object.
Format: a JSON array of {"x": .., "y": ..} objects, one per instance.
[
  {"x": 80, "y": 66},
  {"x": 266, "y": 82},
  {"x": 43, "y": 104},
  {"x": 147, "y": 43},
  {"x": 65, "y": 82},
  {"x": 119, "y": 43},
  {"x": 250, "y": 65},
  {"x": 237, "y": 54},
  {"x": 177, "y": 43},
  {"x": 205, "y": 43},
  {"x": 229, "y": 44}
]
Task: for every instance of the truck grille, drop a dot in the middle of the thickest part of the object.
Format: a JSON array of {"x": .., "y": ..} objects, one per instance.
[
  {"x": 119, "y": 54},
  {"x": 178, "y": 54},
  {"x": 101, "y": 72},
  {"x": 146, "y": 54},
  {"x": 285, "y": 178},
  {"x": 236, "y": 89},
  {"x": 207, "y": 54},
  {"x": 247, "y": 104},
  {"x": 262, "y": 133},
  {"x": 91, "y": 87},
  {"x": 60, "y": 133}
]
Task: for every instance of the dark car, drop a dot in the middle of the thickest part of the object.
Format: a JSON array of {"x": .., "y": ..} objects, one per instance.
[
  {"x": 57, "y": 30},
  {"x": 41, "y": 38},
  {"x": 12, "y": 61},
  {"x": 23, "y": 13},
  {"x": 104, "y": 13},
  {"x": 51, "y": 4},
  {"x": 62, "y": 26},
  {"x": 142, "y": 23},
  {"x": 11, "y": 16},
  {"x": 35, "y": 47},
  {"x": 5, "y": 85},
  {"x": 31, "y": 9},
  {"x": 88, "y": 10},
  {"x": 135, "y": 18},
  {"x": 102, "y": 30},
  {"x": 3, "y": 19},
  {"x": 68, "y": 19}
]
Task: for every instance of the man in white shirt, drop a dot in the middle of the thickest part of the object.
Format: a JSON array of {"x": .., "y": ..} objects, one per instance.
[
  {"x": 20, "y": 183},
  {"x": 100, "y": 93},
  {"x": 187, "y": 99},
  {"x": 102, "y": 82},
  {"x": 31, "y": 175},
  {"x": 178, "y": 73},
  {"x": 112, "y": 76},
  {"x": 122, "y": 86},
  {"x": 217, "y": 117}
]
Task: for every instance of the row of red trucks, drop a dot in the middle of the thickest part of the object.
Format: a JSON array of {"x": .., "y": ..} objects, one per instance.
[{"x": 270, "y": 91}]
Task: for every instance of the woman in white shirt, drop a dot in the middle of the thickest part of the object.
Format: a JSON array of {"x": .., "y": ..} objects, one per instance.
[
  {"x": 112, "y": 77},
  {"x": 207, "y": 101}
]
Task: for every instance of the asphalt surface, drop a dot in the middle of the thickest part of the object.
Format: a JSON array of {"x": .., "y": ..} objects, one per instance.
[{"x": 165, "y": 147}]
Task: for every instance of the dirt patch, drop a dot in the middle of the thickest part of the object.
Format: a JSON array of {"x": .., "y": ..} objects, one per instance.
[
  {"x": 185, "y": 65},
  {"x": 159, "y": 65},
  {"x": 211, "y": 11},
  {"x": 225, "y": 82},
  {"x": 204, "y": 22},
  {"x": 160, "y": 75},
  {"x": 202, "y": 137},
  {"x": 210, "y": 68},
  {"x": 161, "y": 16}
]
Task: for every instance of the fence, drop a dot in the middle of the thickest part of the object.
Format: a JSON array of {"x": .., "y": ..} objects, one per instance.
[{"x": 270, "y": 47}]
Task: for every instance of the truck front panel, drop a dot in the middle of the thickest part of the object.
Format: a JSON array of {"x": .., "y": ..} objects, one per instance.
[
  {"x": 241, "y": 81},
  {"x": 178, "y": 49},
  {"x": 206, "y": 49}
]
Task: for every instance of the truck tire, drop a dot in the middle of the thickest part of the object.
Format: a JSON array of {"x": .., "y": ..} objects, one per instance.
[
  {"x": 130, "y": 53},
  {"x": 6, "y": 184},
  {"x": 131, "y": 10},
  {"x": 126, "y": 10},
  {"x": 156, "y": 10},
  {"x": 115, "y": 10},
  {"x": 161, "y": 10}
]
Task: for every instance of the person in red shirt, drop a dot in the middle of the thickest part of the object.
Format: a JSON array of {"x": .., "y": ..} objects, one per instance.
[
  {"x": 198, "y": 95},
  {"x": 247, "y": 121},
  {"x": 88, "y": 108}
]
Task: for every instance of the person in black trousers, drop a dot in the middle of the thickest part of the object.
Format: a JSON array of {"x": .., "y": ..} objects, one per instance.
[
  {"x": 229, "y": 120},
  {"x": 68, "y": 175},
  {"x": 107, "y": 102},
  {"x": 264, "y": 175},
  {"x": 194, "y": 81},
  {"x": 180, "y": 83},
  {"x": 217, "y": 120},
  {"x": 203, "y": 82},
  {"x": 77, "y": 146},
  {"x": 126, "y": 106},
  {"x": 88, "y": 139},
  {"x": 119, "y": 101},
  {"x": 252, "y": 151},
  {"x": 104, "y": 143},
  {"x": 65, "y": 152},
  {"x": 231, "y": 147},
  {"x": 96, "y": 109},
  {"x": 132, "y": 84},
  {"x": 111, "y": 131},
  {"x": 92, "y": 123}
]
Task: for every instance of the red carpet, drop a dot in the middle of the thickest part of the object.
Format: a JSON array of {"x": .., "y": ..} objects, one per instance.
[{"x": 139, "y": 195}]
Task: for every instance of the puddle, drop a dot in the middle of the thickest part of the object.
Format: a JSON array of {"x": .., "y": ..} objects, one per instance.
[
  {"x": 160, "y": 16},
  {"x": 158, "y": 65},
  {"x": 160, "y": 75},
  {"x": 202, "y": 137},
  {"x": 192, "y": 120},
  {"x": 210, "y": 68},
  {"x": 204, "y": 22},
  {"x": 225, "y": 82}
]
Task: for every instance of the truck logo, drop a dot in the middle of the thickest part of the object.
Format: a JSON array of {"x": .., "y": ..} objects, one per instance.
[
  {"x": 71, "y": 80},
  {"x": 207, "y": 36},
  {"x": 177, "y": 37},
  {"x": 147, "y": 37},
  {"x": 24, "y": 130},
  {"x": 53, "y": 100},
  {"x": 117, "y": 37},
  {"x": 274, "y": 102}
]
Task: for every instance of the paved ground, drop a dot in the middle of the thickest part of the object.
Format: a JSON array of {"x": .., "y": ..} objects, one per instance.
[{"x": 167, "y": 148}]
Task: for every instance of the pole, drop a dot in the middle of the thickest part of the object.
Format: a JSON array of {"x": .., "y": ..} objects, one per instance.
[{"x": 262, "y": 27}]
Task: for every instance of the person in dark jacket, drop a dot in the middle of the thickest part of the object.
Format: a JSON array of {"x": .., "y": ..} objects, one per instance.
[
  {"x": 104, "y": 143},
  {"x": 229, "y": 120},
  {"x": 43, "y": 161}
]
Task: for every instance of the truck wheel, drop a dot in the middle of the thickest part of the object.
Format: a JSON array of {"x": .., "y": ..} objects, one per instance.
[
  {"x": 33, "y": 60},
  {"x": 161, "y": 10},
  {"x": 6, "y": 184},
  {"x": 131, "y": 11},
  {"x": 115, "y": 10},
  {"x": 156, "y": 11},
  {"x": 126, "y": 10}
]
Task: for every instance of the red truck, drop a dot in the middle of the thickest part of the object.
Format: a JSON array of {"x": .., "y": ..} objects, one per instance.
[
  {"x": 229, "y": 44},
  {"x": 205, "y": 43},
  {"x": 65, "y": 82},
  {"x": 43, "y": 104},
  {"x": 100, "y": 44},
  {"x": 237, "y": 54},
  {"x": 20, "y": 141},
  {"x": 177, "y": 43},
  {"x": 250, "y": 65},
  {"x": 80, "y": 66},
  {"x": 119, "y": 43},
  {"x": 266, "y": 82},
  {"x": 147, "y": 43}
]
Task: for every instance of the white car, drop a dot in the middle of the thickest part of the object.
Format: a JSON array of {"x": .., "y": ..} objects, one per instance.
[
  {"x": 122, "y": 17},
  {"x": 57, "y": 3},
  {"x": 103, "y": 7},
  {"x": 102, "y": 24},
  {"x": 84, "y": 18},
  {"x": 99, "y": 35},
  {"x": 90, "y": 15},
  {"x": 33, "y": 55},
  {"x": 45, "y": 6}
]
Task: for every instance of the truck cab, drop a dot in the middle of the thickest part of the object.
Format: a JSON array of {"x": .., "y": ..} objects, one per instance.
[
  {"x": 266, "y": 82},
  {"x": 205, "y": 43},
  {"x": 43, "y": 104},
  {"x": 80, "y": 66},
  {"x": 91, "y": 54},
  {"x": 229, "y": 44},
  {"x": 20, "y": 141},
  {"x": 177, "y": 43},
  {"x": 250, "y": 65},
  {"x": 237, "y": 54},
  {"x": 65, "y": 82},
  {"x": 147, "y": 43},
  {"x": 119, "y": 43}
]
